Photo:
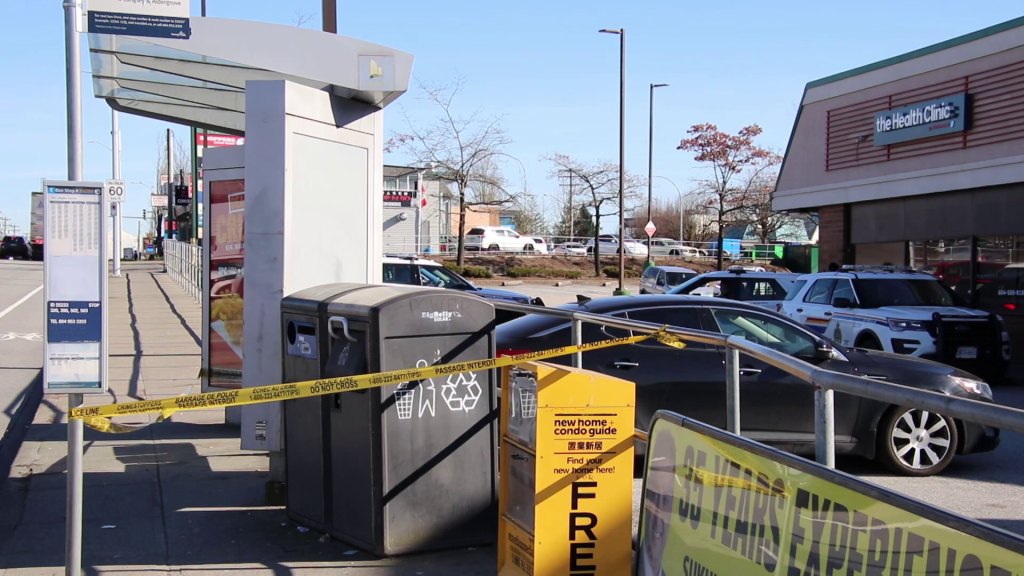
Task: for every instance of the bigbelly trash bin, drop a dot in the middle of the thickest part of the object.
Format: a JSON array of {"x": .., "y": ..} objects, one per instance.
[{"x": 400, "y": 468}]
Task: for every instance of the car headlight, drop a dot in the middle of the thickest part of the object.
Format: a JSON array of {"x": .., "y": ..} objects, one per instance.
[
  {"x": 973, "y": 386},
  {"x": 899, "y": 325}
]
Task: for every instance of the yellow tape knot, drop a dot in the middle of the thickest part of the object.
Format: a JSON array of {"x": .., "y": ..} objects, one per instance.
[{"x": 668, "y": 339}]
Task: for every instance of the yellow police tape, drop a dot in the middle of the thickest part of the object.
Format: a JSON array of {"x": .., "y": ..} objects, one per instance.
[{"x": 98, "y": 417}]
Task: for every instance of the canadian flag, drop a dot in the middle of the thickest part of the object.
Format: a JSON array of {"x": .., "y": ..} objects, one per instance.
[{"x": 423, "y": 195}]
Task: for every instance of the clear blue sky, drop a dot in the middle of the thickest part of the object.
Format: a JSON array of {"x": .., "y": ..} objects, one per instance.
[{"x": 541, "y": 63}]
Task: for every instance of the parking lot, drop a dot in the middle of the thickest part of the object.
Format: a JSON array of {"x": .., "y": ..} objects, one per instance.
[{"x": 986, "y": 486}]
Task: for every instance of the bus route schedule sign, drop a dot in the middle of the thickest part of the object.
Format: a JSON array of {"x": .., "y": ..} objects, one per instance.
[
  {"x": 715, "y": 503},
  {"x": 75, "y": 286}
]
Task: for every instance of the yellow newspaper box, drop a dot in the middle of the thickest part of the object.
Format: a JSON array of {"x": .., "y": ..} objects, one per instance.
[{"x": 566, "y": 495}]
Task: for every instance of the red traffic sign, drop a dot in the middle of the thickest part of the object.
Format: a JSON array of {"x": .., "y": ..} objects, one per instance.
[{"x": 650, "y": 229}]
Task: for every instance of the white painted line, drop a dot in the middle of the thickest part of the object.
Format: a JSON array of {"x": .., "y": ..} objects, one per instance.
[{"x": 20, "y": 302}]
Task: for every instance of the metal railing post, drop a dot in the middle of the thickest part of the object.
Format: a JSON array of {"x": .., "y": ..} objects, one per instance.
[
  {"x": 824, "y": 426},
  {"x": 732, "y": 389},
  {"x": 577, "y": 339}
]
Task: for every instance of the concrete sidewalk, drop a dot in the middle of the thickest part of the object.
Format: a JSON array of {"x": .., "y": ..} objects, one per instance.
[{"x": 175, "y": 497}]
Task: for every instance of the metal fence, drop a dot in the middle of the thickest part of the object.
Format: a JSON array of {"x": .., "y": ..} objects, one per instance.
[
  {"x": 542, "y": 245},
  {"x": 184, "y": 263},
  {"x": 825, "y": 382}
]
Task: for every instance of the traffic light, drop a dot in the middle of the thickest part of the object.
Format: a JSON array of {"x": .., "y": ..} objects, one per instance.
[{"x": 143, "y": 213}]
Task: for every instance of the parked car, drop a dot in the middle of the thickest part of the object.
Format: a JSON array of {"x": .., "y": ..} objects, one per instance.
[
  {"x": 571, "y": 248},
  {"x": 955, "y": 272},
  {"x": 776, "y": 407},
  {"x": 15, "y": 247},
  {"x": 661, "y": 279},
  {"x": 498, "y": 239},
  {"x": 421, "y": 272},
  {"x": 670, "y": 247},
  {"x": 764, "y": 289},
  {"x": 901, "y": 311},
  {"x": 610, "y": 245},
  {"x": 539, "y": 244}
]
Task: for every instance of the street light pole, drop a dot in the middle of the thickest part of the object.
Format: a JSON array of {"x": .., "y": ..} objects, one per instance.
[
  {"x": 650, "y": 165},
  {"x": 115, "y": 143},
  {"x": 76, "y": 430},
  {"x": 622, "y": 159}
]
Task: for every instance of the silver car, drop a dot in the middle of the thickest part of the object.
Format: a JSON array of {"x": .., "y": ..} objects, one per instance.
[{"x": 662, "y": 279}]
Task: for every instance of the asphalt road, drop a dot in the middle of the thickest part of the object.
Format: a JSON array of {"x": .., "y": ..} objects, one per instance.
[
  {"x": 21, "y": 327},
  {"x": 988, "y": 487}
]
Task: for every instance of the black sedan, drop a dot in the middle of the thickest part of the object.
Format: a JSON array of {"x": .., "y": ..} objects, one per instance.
[{"x": 776, "y": 407}]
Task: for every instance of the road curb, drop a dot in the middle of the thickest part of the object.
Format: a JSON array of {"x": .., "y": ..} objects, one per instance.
[
  {"x": 512, "y": 283},
  {"x": 564, "y": 283},
  {"x": 18, "y": 427}
]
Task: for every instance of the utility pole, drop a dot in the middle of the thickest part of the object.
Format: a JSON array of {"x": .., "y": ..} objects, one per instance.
[
  {"x": 76, "y": 428},
  {"x": 170, "y": 186},
  {"x": 572, "y": 215}
]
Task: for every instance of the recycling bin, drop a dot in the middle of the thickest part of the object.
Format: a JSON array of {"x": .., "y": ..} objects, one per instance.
[{"x": 402, "y": 468}]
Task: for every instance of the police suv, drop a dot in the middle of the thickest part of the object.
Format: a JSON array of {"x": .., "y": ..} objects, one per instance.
[{"x": 894, "y": 309}]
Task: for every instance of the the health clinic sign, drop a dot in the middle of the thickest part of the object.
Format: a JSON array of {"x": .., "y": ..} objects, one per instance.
[{"x": 923, "y": 120}]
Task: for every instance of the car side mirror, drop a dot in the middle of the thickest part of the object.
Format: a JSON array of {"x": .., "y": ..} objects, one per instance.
[
  {"x": 843, "y": 303},
  {"x": 661, "y": 281},
  {"x": 823, "y": 351}
]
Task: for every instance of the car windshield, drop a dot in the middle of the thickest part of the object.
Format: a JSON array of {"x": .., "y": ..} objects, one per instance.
[
  {"x": 441, "y": 277},
  {"x": 876, "y": 293},
  {"x": 676, "y": 278}
]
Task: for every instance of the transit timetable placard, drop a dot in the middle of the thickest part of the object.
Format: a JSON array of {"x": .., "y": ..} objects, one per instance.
[{"x": 74, "y": 276}]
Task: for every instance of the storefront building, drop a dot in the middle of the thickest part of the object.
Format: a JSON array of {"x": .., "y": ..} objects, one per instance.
[{"x": 919, "y": 160}]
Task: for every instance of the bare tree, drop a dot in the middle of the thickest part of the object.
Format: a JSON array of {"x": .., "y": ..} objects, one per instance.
[
  {"x": 728, "y": 156},
  {"x": 529, "y": 216},
  {"x": 765, "y": 221},
  {"x": 489, "y": 190},
  {"x": 301, "y": 18},
  {"x": 460, "y": 149},
  {"x": 599, "y": 191},
  {"x": 698, "y": 223},
  {"x": 182, "y": 152}
]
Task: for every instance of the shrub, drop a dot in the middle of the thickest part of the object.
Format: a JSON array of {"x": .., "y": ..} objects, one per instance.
[
  {"x": 613, "y": 272},
  {"x": 525, "y": 271},
  {"x": 476, "y": 272}
]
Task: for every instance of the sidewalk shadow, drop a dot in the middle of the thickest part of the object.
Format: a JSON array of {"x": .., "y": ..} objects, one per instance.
[{"x": 169, "y": 502}]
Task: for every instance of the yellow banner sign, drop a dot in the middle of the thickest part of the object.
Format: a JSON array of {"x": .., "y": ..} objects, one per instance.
[{"x": 717, "y": 505}]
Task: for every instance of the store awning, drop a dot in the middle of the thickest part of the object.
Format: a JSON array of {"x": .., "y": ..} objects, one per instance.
[{"x": 201, "y": 81}]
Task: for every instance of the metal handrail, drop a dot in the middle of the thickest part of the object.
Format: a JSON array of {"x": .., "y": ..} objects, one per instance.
[{"x": 825, "y": 382}]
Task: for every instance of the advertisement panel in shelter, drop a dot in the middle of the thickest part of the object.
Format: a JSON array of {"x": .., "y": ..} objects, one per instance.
[{"x": 227, "y": 282}]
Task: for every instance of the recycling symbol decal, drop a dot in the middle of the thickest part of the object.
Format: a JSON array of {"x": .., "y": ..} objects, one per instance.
[{"x": 461, "y": 392}]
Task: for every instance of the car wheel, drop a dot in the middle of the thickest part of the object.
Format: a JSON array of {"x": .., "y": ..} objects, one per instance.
[
  {"x": 916, "y": 442},
  {"x": 493, "y": 248},
  {"x": 868, "y": 342},
  {"x": 528, "y": 248},
  {"x": 674, "y": 253}
]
